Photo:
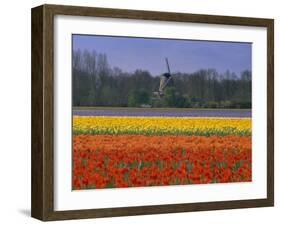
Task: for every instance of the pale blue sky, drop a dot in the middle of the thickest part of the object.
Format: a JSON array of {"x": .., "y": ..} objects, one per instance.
[{"x": 149, "y": 54}]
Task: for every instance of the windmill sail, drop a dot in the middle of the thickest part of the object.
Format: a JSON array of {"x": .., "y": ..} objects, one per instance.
[
  {"x": 168, "y": 67},
  {"x": 164, "y": 79}
]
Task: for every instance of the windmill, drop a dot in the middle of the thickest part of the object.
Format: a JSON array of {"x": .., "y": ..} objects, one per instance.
[{"x": 164, "y": 81}]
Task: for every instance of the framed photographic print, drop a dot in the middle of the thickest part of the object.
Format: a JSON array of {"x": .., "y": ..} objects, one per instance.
[{"x": 141, "y": 112}]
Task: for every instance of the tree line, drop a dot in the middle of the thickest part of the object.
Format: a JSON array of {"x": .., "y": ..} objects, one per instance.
[{"x": 96, "y": 83}]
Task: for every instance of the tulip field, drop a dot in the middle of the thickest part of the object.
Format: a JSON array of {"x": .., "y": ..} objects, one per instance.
[{"x": 135, "y": 151}]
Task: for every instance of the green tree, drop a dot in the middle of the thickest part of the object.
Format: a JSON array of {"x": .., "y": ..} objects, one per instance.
[
  {"x": 138, "y": 97},
  {"x": 170, "y": 96}
]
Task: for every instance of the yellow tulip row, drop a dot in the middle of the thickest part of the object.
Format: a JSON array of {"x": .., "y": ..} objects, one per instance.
[{"x": 161, "y": 126}]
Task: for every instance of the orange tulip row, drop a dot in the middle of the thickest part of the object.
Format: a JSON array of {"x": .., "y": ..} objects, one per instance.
[{"x": 115, "y": 161}]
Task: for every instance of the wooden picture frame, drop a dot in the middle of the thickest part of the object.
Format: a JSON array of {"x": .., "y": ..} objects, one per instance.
[{"x": 42, "y": 203}]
